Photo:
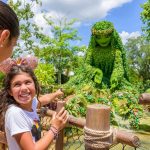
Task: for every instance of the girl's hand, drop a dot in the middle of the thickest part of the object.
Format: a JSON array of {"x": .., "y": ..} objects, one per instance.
[
  {"x": 59, "y": 94},
  {"x": 59, "y": 119}
]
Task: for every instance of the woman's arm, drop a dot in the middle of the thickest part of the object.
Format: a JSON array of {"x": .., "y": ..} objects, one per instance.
[{"x": 47, "y": 98}]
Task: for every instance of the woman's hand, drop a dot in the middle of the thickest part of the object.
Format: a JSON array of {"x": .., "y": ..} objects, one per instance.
[{"x": 59, "y": 119}]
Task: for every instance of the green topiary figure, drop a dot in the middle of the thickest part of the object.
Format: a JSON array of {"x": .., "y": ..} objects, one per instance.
[
  {"x": 103, "y": 77},
  {"x": 106, "y": 55}
]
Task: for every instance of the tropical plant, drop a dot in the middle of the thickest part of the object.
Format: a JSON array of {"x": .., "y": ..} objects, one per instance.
[
  {"x": 46, "y": 76},
  {"x": 58, "y": 49},
  {"x": 125, "y": 104}
]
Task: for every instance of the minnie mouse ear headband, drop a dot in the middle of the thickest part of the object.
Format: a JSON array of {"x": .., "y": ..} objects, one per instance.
[{"x": 7, "y": 64}]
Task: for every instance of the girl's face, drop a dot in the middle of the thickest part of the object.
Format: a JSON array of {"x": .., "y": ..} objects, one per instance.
[{"x": 23, "y": 90}]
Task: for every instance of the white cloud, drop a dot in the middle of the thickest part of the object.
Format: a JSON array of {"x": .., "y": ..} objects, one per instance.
[
  {"x": 81, "y": 54},
  {"x": 125, "y": 35},
  {"x": 82, "y": 9}
]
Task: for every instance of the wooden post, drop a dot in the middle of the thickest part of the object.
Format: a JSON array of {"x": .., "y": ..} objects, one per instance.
[
  {"x": 144, "y": 99},
  {"x": 60, "y": 140},
  {"x": 98, "y": 119}
]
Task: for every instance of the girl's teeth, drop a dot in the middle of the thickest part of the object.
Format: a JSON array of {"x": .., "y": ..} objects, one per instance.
[{"x": 24, "y": 95}]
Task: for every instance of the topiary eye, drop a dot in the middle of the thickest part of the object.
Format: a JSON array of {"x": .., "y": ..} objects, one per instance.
[
  {"x": 98, "y": 36},
  {"x": 108, "y": 35}
]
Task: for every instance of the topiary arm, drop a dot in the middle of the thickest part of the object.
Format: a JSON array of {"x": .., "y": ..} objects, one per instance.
[
  {"x": 118, "y": 70},
  {"x": 97, "y": 73}
]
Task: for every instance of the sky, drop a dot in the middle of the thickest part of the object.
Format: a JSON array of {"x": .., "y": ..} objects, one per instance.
[{"x": 124, "y": 14}]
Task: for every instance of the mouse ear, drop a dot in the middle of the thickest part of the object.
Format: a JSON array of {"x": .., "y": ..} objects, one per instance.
[
  {"x": 6, "y": 65},
  {"x": 30, "y": 61}
]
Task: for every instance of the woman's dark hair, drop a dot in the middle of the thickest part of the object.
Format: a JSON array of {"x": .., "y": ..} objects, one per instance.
[
  {"x": 6, "y": 98},
  {"x": 9, "y": 20}
]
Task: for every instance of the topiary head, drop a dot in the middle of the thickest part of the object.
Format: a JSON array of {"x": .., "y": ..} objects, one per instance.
[{"x": 102, "y": 32}]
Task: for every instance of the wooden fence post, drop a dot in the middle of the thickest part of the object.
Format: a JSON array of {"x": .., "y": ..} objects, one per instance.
[
  {"x": 60, "y": 140},
  {"x": 98, "y": 135}
]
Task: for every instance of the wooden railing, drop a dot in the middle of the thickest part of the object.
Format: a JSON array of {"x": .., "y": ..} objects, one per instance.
[
  {"x": 96, "y": 111},
  {"x": 119, "y": 136}
]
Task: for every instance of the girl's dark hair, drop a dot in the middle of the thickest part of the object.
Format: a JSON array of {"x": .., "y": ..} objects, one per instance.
[
  {"x": 7, "y": 99},
  {"x": 9, "y": 20}
]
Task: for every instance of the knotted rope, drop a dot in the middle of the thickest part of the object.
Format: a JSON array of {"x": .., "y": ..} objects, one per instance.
[{"x": 96, "y": 139}]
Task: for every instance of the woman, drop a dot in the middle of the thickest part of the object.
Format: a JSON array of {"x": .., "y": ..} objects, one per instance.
[{"x": 9, "y": 30}]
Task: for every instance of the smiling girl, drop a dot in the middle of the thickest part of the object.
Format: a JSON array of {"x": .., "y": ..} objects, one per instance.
[{"x": 19, "y": 100}]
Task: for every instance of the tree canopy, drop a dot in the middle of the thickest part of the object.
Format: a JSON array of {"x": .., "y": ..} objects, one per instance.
[{"x": 145, "y": 17}]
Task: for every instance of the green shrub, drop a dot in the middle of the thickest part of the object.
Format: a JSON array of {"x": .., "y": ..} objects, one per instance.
[{"x": 45, "y": 76}]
